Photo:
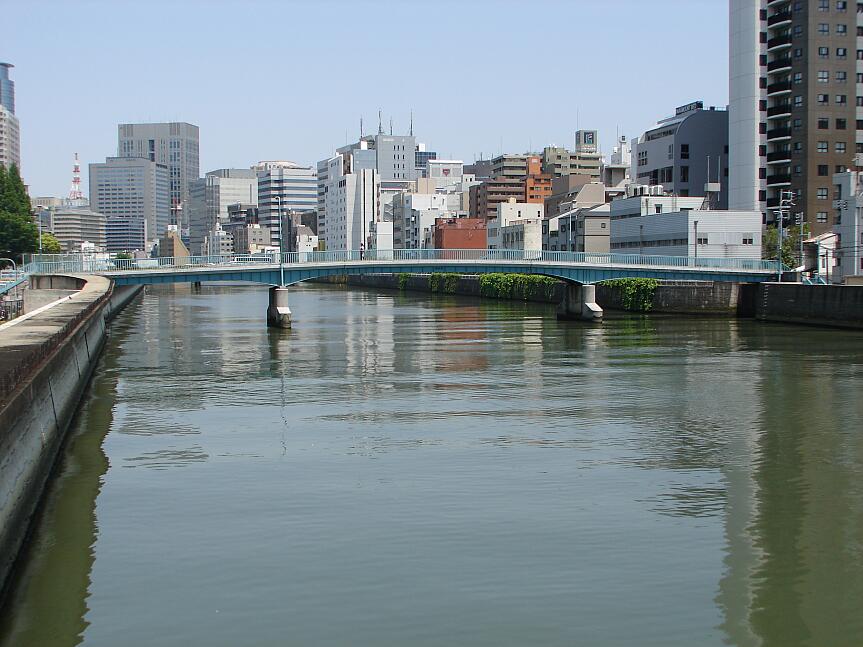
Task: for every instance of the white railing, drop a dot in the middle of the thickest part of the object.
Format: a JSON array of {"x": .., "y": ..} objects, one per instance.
[{"x": 71, "y": 263}]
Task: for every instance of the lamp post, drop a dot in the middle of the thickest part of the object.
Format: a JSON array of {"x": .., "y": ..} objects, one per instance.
[
  {"x": 281, "y": 238},
  {"x": 695, "y": 222},
  {"x": 14, "y": 269}
]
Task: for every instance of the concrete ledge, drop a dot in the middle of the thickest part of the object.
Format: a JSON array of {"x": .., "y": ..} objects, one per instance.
[
  {"x": 839, "y": 306},
  {"x": 46, "y": 362}
]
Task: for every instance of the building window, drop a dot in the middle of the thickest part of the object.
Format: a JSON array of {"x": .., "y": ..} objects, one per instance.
[
  {"x": 823, "y": 28},
  {"x": 823, "y": 170},
  {"x": 798, "y": 52},
  {"x": 860, "y": 101},
  {"x": 797, "y": 78},
  {"x": 797, "y": 32},
  {"x": 842, "y": 52},
  {"x": 684, "y": 174},
  {"x": 821, "y": 194},
  {"x": 798, "y": 147},
  {"x": 748, "y": 239},
  {"x": 842, "y": 124},
  {"x": 823, "y": 52},
  {"x": 841, "y": 77},
  {"x": 823, "y": 124},
  {"x": 841, "y": 168},
  {"x": 841, "y": 5},
  {"x": 821, "y": 147},
  {"x": 823, "y": 5},
  {"x": 797, "y": 123},
  {"x": 840, "y": 147},
  {"x": 684, "y": 151},
  {"x": 823, "y": 99},
  {"x": 823, "y": 76},
  {"x": 821, "y": 216},
  {"x": 841, "y": 30},
  {"x": 798, "y": 170},
  {"x": 658, "y": 208},
  {"x": 841, "y": 99},
  {"x": 702, "y": 240}
]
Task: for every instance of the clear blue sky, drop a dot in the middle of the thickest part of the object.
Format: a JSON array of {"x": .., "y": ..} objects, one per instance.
[{"x": 288, "y": 80}]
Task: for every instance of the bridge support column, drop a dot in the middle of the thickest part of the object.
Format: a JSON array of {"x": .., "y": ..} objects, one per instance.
[
  {"x": 579, "y": 302},
  {"x": 278, "y": 312}
]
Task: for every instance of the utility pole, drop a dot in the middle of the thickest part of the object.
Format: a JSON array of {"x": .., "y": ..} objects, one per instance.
[{"x": 696, "y": 239}]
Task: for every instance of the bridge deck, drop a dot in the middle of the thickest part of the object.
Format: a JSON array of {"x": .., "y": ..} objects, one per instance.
[{"x": 570, "y": 266}]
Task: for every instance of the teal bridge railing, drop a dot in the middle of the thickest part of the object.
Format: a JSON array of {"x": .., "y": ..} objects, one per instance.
[{"x": 580, "y": 267}]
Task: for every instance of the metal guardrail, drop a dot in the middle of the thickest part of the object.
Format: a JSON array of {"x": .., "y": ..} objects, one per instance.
[{"x": 50, "y": 264}]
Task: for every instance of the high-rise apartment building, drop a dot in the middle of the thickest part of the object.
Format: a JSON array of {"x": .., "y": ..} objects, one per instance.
[
  {"x": 284, "y": 187},
  {"x": 176, "y": 145},
  {"x": 210, "y": 196},
  {"x": 10, "y": 131},
  {"x": 132, "y": 189},
  {"x": 794, "y": 97}
]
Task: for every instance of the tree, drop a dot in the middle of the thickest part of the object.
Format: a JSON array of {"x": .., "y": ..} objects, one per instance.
[
  {"x": 790, "y": 244},
  {"x": 18, "y": 233},
  {"x": 50, "y": 244}
]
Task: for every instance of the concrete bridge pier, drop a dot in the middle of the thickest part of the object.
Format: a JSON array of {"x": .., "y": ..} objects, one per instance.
[
  {"x": 579, "y": 302},
  {"x": 278, "y": 312}
]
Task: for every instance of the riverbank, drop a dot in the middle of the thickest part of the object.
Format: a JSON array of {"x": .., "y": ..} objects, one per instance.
[
  {"x": 46, "y": 359},
  {"x": 672, "y": 297}
]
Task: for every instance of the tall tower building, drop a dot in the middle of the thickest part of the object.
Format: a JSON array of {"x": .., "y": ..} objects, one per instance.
[
  {"x": 10, "y": 132},
  {"x": 175, "y": 145},
  {"x": 794, "y": 93}
]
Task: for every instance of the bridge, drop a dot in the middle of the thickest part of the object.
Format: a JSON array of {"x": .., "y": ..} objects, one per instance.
[{"x": 581, "y": 270}]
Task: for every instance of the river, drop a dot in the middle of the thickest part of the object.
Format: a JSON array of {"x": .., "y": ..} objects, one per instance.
[{"x": 408, "y": 469}]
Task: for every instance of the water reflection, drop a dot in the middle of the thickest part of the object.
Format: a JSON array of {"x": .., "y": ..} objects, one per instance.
[{"x": 527, "y": 477}]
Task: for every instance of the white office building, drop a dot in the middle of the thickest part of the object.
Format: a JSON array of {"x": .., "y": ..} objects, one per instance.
[
  {"x": 284, "y": 187},
  {"x": 848, "y": 228},
  {"x": 509, "y": 213},
  {"x": 667, "y": 225},
  {"x": 413, "y": 215},
  {"x": 352, "y": 204}
]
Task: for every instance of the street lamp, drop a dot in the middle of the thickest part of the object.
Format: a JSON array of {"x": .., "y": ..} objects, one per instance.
[
  {"x": 695, "y": 222},
  {"x": 281, "y": 238}
]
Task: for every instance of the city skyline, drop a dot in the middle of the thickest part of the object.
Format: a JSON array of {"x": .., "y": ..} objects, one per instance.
[{"x": 470, "y": 93}]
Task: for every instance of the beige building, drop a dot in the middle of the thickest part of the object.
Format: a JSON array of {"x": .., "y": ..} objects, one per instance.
[
  {"x": 251, "y": 239},
  {"x": 73, "y": 226},
  {"x": 10, "y": 139},
  {"x": 170, "y": 245},
  {"x": 585, "y": 230}
]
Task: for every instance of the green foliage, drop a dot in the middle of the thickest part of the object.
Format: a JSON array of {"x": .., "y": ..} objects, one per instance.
[
  {"x": 636, "y": 294},
  {"x": 403, "y": 280},
  {"x": 790, "y": 244},
  {"x": 50, "y": 245},
  {"x": 446, "y": 282},
  {"x": 516, "y": 286},
  {"x": 18, "y": 233},
  {"x": 123, "y": 256}
]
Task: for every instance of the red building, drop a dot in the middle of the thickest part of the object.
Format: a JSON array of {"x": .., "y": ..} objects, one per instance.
[{"x": 460, "y": 233}]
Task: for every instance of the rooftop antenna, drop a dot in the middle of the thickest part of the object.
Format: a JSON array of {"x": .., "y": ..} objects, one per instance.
[
  {"x": 75, "y": 192},
  {"x": 380, "y": 124},
  {"x": 412, "y": 123},
  {"x": 391, "y": 125},
  {"x": 361, "y": 127}
]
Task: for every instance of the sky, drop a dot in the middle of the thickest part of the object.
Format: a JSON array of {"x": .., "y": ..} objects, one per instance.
[{"x": 290, "y": 80}]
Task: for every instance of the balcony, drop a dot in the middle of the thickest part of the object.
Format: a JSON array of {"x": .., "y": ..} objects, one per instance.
[
  {"x": 779, "y": 156},
  {"x": 779, "y": 87},
  {"x": 779, "y": 64},
  {"x": 782, "y": 110},
  {"x": 779, "y": 41},
  {"x": 772, "y": 202},
  {"x": 779, "y": 18},
  {"x": 779, "y": 133},
  {"x": 776, "y": 180}
]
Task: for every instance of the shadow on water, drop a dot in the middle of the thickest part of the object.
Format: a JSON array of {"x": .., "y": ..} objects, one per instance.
[{"x": 55, "y": 569}]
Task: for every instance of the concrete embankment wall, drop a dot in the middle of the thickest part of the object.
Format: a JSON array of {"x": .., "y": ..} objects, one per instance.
[
  {"x": 681, "y": 297},
  {"x": 820, "y": 305},
  {"x": 45, "y": 364}
]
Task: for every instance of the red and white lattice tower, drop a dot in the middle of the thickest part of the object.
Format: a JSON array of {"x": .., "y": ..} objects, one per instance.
[{"x": 75, "y": 191}]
